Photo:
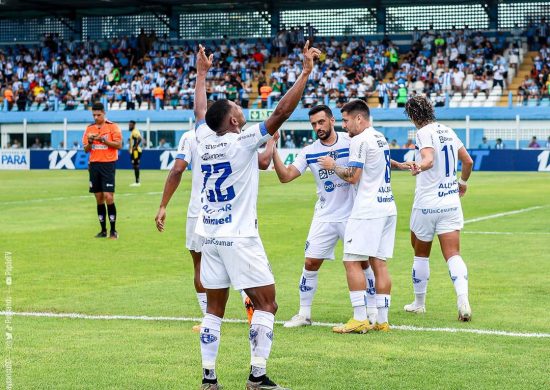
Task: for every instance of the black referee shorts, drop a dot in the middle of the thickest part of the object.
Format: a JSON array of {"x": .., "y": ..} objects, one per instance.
[{"x": 102, "y": 176}]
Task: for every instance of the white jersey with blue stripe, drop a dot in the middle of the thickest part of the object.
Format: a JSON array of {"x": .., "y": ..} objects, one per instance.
[
  {"x": 369, "y": 151},
  {"x": 187, "y": 150},
  {"x": 335, "y": 196},
  {"x": 229, "y": 165},
  {"x": 438, "y": 187}
]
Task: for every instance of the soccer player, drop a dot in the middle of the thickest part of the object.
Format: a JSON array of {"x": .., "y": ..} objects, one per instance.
[
  {"x": 233, "y": 253},
  {"x": 187, "y": 155},
  {"x": 135, "y": 150},
  {"x": 370, "y": 231},
  {"x": 335, "y": 200},
  {"x": 436, "y": 207},
  {"x": 102, "y": 140}
]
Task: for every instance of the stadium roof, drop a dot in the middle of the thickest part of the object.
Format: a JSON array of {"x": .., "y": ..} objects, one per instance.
[{"x": 73, "y": 8}]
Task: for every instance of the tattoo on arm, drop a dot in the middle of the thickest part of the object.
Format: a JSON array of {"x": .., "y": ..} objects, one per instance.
[{"x": 345, "y": 173}]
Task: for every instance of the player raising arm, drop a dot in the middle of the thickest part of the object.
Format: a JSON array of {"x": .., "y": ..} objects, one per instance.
[
  {"x": 233, "y": 253},
  {"x": 436, "y": 208},
  {"x": 187, "y": 155}
]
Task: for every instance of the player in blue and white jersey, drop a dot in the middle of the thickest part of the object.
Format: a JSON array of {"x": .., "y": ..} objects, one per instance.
[
  {"x": 370, "y": 231},
  {"x": 334, "y": 203},
  {"x": 436, "y": 208},
  {"x": 232, "y": 253},
  {"x": 187, "y": 156}
]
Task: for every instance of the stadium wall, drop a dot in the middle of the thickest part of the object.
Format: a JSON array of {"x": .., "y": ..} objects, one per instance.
[
  {"x": 515, "y": 126},
  {"x": 484, "y": 160}
]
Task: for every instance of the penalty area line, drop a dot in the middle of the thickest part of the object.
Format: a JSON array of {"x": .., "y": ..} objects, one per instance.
[{"x": 406, "y": 328}]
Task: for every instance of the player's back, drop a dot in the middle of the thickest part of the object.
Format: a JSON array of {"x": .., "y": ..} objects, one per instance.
[
  {"x": 335, "y": 195},
  {"x": 437, "y": 187},
  {"x": 229, "y": 166},
  {"x": 374, "y": 196}
]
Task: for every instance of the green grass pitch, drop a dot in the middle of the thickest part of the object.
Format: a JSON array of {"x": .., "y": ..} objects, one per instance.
[{"x": 48, "y": 221}]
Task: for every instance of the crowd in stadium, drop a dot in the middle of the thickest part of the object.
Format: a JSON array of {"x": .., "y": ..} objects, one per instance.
[{"x": 153, "y": 71}]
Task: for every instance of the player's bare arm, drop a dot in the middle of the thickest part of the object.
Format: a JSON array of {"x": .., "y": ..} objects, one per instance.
[
  {"x": 170, "y": 186},
  {"x": 467, "y": 165},
  {"x": 284, "y": 173},
  {"x": 265, "y": 157},
  {"x": 203, "y": 64},
  {"x": 427, "y": 161},
  {"x": 350, "y": 174},
  {"x": 404, "y": 166},
  {"x": 290, "y": 100}
]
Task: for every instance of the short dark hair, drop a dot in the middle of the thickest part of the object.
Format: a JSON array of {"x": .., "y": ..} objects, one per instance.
[
  {"x": 319, "y": 108},
  {"x": 217, "y": 113},
  {"x": 420, "y": 110},
  {"x": 356, "y": 106},
  {"x": 98, "y": 106},
  {"x": 133, "y": 122}
]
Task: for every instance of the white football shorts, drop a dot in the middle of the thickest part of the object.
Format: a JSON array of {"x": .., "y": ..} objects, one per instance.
[
  {"x": 322, "y": 239},
  {"x": 193, "y": 241},
  {"x": 370, "y": 238},
  {"x": 426, "y": 223},
  {"x": 237, "y": 261}
]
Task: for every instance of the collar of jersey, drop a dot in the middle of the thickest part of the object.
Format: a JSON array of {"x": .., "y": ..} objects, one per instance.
[{"x": 335, "y": 142}]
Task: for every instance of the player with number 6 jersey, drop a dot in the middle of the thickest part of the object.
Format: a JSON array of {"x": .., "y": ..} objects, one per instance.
[{"x": 370, "y": 232}]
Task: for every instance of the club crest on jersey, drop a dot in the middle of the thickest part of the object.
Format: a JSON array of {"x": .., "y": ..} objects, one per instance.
[
  {"x": 206, "y": 337},
  {"x": 333, "y": 154}
]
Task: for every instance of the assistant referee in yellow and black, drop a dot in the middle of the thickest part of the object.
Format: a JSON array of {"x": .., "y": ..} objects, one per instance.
[{"x": 103, "y": 139}]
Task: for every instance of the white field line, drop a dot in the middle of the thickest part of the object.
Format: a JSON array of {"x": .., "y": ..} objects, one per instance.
[
  {"x": 508, "y": 233},
  {"x": 61, "y": 198},
  {"x": 234, "y": 320},
  {"x": 498, "y": 215}
]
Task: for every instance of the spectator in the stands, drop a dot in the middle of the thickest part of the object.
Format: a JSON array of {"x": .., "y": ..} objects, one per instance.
[
  {"x": 533, "y": 144},
  {"x": 548, "y": 143},
  {"x": 393, "y": 144},
  {"x": 409, "y": 145},
  {"x": 499, "y": 144},
  {"x": 484, "y": 144}
]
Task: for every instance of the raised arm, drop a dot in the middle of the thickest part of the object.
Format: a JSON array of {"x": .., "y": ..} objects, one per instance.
[
  {"x": 467, "y": 164},
  {"x": 203, "y": 64},
  {"x": 265, "y": 157},
  {"x": 290, "y": 100}
]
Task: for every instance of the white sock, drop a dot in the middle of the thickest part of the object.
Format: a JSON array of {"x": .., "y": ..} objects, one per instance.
[
  {"x": 420, "y": 277},
  {"x": 308, "y": 287},
  {"x": 243, "y": 296},
  {"x": 210, "y": 344},
  {"x": 261, "y": 338},
  {"x": 201, "y": 297},
  {"x": 372, "y": 311},
  {"x": 459, "y": 275},
  {"x": 383, "y": 302},
  {"x": 358, "y": 302}
]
